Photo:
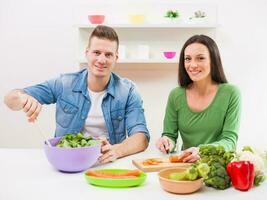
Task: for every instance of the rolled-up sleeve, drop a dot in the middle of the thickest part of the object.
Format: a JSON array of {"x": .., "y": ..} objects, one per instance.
[
  {"x": 46, "y": 92},
  {"x": 135, "y": 118}
]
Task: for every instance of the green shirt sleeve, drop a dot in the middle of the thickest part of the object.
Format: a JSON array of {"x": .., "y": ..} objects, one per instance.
[{"x": 228, "y": 137}]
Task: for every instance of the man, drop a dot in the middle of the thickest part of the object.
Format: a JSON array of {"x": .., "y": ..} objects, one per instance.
[{"x": 94, "y": 101}]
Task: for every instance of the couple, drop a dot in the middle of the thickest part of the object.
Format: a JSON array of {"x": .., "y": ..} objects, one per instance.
[{"x": 204, "y": 109}]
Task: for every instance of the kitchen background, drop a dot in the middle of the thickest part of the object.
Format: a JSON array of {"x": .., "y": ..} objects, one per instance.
[{"x": 41, "y": 39}]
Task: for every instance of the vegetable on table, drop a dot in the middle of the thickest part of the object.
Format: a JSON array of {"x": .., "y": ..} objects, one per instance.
[
  {"x": 216, "y": 158},
  {"x": 152, "y": 161},
  {"x": 258, "y": 159},
  {"x": 192, "y": 173},
  {"x": 112, "y": 175},
  {"x": 242, "y": 174},
  {"x": 211, "y": 166},
  {"x": 178, "y": 158}
]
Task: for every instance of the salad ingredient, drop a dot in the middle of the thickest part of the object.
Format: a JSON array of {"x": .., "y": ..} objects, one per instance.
[
  {"x": 242, "y": 174},
  {"x": 178, "y": 158},
  {"x": 152, "y": 161},
  {"x": 192, "y": 173},
  {"x": 103, "y": 174},
  {"x": 79, "y": 140},
  {"x": 216, "y": 158},
  {"x": 257, "y": 158}
]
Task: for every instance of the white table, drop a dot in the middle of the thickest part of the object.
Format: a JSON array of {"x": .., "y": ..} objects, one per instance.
[{"x": 25, "y": 174}]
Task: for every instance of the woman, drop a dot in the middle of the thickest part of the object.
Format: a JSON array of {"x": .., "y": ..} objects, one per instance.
[{"x": 205, "y": 109}]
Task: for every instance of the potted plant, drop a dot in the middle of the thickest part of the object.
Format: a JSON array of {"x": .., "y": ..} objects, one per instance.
[
  {"x": 199, "y": 16},
  {"x": 172, "y": 14}
]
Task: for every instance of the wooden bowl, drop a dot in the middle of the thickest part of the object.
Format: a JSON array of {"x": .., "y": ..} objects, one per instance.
[{"x": 178, "y": 187}]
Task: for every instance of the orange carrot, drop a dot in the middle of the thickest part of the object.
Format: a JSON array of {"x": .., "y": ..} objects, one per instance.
[
  {"x": 179, "y": 158},
  {"x": 151, "y": 161},
  {"x": 124, "y": 175}
]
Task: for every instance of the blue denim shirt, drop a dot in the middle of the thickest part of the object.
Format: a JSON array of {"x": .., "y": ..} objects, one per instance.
[{"x": 122, "y": 105}]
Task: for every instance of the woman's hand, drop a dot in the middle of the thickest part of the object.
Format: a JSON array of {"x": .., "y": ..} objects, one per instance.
[
  {"x": 165, "y": 144},
  {"x": 192, "y": 154}
]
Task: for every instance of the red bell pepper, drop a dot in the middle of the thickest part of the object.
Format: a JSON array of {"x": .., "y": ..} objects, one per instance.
[{"x": 241, "y": 174}]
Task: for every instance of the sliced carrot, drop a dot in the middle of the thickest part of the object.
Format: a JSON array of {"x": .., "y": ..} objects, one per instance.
[
  {"x": 178, "y": 158},
  {"x": 174, "y": 159},
  {"x": 152, "y": 161},
  {"x": 122, "y": 175}
]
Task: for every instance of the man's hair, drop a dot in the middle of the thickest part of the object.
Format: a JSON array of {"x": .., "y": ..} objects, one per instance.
[
  {"x": 104, "y": 32},
  {"x": 216, "y": 68}
]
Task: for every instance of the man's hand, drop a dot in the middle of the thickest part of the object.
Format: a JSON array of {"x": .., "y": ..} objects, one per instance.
[
  {"x": 165, "y": 144},
  {"x": 18, "y": 100},
  {"x": 109, "y": 152},
  {"x": 31, "y": 107}
]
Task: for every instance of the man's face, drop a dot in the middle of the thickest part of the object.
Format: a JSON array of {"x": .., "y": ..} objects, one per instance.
[{"x": 101, "y": 56}]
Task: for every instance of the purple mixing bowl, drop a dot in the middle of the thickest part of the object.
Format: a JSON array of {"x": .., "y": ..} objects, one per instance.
[{"x": 71, "y": 159}]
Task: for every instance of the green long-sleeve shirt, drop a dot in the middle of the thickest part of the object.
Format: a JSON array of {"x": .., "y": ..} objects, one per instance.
[{"x": 217, "y": 124}]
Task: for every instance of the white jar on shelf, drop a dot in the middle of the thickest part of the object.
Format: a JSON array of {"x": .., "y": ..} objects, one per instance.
[
  {"x": 143, "y": 52},
  {"x": 122, "y": 52}
]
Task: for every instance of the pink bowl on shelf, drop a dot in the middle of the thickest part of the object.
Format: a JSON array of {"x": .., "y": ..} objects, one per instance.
[
  {"x": 169, "y": 54},
  {"x": 96, "y": 19}
]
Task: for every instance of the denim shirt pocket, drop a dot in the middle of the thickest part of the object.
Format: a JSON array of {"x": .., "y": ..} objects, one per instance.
[
  {"x": 118, "y": 121},
  {"x": 65, "y": 113}
]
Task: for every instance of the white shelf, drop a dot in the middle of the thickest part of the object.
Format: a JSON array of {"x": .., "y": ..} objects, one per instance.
[
  {"x": 149, "y": 26},
  {"x": 126, "y": 61}
]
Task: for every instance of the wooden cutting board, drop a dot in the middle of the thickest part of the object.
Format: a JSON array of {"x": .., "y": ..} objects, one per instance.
[{"x": 155, "y": 168}]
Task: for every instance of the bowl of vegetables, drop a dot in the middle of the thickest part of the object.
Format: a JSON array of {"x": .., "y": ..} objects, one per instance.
[
  {"x": 73, "y": 153},
  {"x": 180, "y": 180}
]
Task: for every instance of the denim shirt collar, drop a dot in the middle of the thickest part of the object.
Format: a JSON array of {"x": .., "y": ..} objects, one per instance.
[{"x": 81, "y": 84}]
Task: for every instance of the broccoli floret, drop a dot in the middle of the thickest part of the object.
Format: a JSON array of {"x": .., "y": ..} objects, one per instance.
[
  {"x": 216, "y": 158},
  {"x": 218, "y": 182},
  {"x": 192, "y": 173},
  {"x": 203, "y": 170}
]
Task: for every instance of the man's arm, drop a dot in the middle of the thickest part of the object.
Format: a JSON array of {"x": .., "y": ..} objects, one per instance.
[
  {"x": 136, "y": 143},
  {"x": 18, "y": 100}
]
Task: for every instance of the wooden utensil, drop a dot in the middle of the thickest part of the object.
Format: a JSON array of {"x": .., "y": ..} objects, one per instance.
[{"x": 42, "y": 134}]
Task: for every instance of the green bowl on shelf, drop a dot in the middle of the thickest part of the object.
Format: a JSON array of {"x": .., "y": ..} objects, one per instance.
[{"x": 115, "y": 182}]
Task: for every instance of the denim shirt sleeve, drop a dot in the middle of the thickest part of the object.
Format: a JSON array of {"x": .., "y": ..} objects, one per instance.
[
  {"x": 46, "y": 92},
  {"x": 134, "y": 116}
]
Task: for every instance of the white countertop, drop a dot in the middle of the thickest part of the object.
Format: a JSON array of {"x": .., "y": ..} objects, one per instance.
[{"x": 25, "y": 174}]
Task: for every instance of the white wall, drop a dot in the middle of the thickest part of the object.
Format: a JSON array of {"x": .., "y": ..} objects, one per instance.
[{"x": 37, "y": 42}]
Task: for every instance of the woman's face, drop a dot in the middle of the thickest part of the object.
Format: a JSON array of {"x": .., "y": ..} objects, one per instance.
[{"x": 197, "y": 62}]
